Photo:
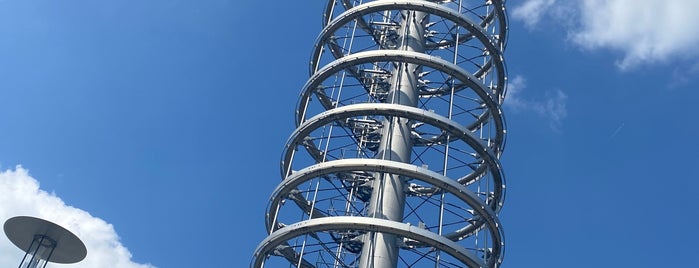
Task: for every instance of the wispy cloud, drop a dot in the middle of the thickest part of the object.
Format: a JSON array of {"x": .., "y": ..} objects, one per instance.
[
  {"x": 684, "y": 76},
  {"x": 532, "y": 11},
  {"x": 20, "y": 195},
  {"x": 552, "y": 106},
  {"x": 644, "y": 32}
]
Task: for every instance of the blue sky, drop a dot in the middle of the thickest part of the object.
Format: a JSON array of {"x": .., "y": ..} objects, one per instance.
[{"x": 154, "y": 129}]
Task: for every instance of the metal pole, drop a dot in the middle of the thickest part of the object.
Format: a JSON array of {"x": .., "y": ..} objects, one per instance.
[{"x": 388, "y": 195}]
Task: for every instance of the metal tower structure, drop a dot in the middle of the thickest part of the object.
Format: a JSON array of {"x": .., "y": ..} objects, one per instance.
[{"x": 395, "y": 158}]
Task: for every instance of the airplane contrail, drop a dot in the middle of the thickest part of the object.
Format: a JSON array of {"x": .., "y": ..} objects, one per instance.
[{"x": 618, "y": 129}]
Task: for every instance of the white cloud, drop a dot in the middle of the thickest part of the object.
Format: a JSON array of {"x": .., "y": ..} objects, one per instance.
[
  {"x": 645, "y": 32},
  {"x": 531, "y": 11},
  {"x": 552, "y": 107},
  {"x": 684, "y": 76},
  {"x": 20, "y": 195},
  {"x": 514, "y": 88}
]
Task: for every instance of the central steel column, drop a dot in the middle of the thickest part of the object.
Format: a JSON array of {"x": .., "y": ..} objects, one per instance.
[{"x": 388, "y": 195}]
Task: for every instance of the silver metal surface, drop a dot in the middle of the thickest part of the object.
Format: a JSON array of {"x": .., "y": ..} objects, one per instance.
[
  {"x": 426, "y": 176},
  {"x": 367, "y": 225},
  {"x": 395, "y": 158}
]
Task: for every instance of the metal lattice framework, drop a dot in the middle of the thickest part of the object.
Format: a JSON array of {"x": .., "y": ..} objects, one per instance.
[{"x": 395, "y": 158}]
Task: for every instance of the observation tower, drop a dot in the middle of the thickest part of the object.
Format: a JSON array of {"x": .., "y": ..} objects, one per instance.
[
  {"x": 44, "y": 242},
  {"x": 394, "y": 161}
]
